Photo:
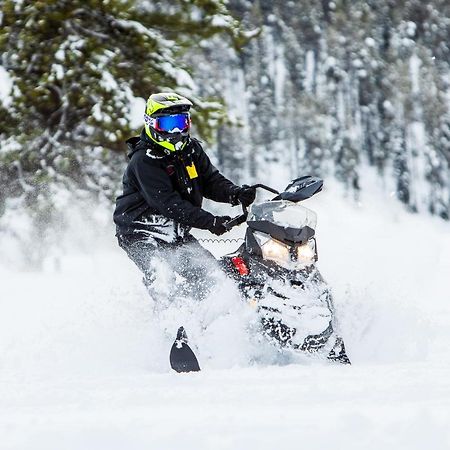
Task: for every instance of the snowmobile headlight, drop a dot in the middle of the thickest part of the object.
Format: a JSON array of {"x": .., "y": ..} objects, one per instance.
[
  {"x": 276, "y": 251},
  {"x": 306, "y": 253}
]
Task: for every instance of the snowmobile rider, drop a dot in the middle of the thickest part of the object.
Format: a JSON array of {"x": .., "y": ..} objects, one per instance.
[{"x": 164, "y": 184}]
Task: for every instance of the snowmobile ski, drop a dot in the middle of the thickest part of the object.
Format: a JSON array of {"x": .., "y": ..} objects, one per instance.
[
  {"x": 182, "y": 358},
  {"x": 338, "y": 353}
]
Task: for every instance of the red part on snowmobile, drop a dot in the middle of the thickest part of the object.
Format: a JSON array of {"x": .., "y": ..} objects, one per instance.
[{"x": 240, "y": 265}]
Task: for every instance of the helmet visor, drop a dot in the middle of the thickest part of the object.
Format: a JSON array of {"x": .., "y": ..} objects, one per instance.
[{"x": 175, "y": 123}]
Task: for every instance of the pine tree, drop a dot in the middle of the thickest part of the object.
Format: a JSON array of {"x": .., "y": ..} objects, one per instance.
[
  {"x": 401, "y": 168},
  {"x": 437, "y": 126},
  {"x": 77, "y": 65}
]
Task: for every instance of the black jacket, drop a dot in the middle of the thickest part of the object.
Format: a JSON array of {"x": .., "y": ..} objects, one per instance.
[{"x": 170, "y": 186}]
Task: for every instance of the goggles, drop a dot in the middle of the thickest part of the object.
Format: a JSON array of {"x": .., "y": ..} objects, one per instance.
[{"x": 175, "y": 123}]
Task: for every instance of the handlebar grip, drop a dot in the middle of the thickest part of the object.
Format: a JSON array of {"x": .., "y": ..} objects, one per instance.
[{"x": 235, "y": 221}]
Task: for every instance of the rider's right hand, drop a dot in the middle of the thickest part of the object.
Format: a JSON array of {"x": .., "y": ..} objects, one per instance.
[{"x": 218, "y": 227}]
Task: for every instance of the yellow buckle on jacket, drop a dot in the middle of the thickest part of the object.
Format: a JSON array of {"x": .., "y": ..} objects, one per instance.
[{"x": 192, "y": 171}]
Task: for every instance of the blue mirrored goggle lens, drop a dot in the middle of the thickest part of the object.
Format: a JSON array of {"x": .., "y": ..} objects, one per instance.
[{"x": 174, "y": 123}]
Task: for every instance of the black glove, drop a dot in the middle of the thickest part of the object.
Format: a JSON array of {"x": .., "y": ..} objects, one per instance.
[
  {"x": 246, "y": 195},
  {"x": 218, "y": 227}
]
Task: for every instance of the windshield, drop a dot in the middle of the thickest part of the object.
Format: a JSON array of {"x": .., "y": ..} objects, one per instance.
[{"x": 284, "y": 214}]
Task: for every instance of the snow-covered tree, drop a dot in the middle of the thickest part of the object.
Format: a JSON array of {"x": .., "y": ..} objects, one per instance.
[{"x": 77, "y": 67}]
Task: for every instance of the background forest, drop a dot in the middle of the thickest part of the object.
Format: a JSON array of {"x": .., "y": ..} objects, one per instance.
[{"x": 321, "y": 87}]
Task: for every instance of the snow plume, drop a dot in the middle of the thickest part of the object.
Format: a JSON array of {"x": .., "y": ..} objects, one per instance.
[
  {"x": 88, "y": 312},
  {"x": 218, "y": 327},
  {"x": 61, "y": 220},
  {"x": 382, "y": 277},
  {"x": 386, "y": 268}
]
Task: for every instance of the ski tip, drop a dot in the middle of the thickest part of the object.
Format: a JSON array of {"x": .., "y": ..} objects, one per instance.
[
  {"x": 182, "y": 358},
  {"x": 181, "y": 335},
  {"x": 338, "y": 353}
]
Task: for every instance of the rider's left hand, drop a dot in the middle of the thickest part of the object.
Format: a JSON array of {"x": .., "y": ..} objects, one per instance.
[{"x": 246, "y": 195}]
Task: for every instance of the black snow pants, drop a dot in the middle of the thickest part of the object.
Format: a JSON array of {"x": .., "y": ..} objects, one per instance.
[{"x": 171, "y": 269}]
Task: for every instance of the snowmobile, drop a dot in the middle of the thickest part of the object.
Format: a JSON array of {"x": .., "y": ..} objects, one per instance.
[{"x": 275, "y": 270}]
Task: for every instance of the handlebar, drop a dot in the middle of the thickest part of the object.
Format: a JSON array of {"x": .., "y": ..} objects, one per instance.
[
  {"x": 267, "y": 188},
  {"x": 238, "y": 220}
]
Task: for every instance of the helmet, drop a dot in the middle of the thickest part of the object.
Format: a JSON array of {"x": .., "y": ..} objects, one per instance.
[{"x": 167, "y": 120}]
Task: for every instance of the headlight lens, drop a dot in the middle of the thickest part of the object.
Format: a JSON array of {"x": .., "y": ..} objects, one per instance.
[
  {"x": 306, "y": 253},
  {"x": 283, "y": 254},
  {"x": 276, "y": 251}
]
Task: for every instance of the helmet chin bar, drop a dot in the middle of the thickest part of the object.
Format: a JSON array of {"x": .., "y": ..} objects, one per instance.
[
  {"x": 171, "y": 142},
  {"x": 178, "y": 140}
]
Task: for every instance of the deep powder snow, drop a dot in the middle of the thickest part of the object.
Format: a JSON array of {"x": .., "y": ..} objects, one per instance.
[{"x": 84, "y": 356}]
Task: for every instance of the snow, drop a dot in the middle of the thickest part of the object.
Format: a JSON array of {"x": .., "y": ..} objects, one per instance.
[
  {"x": 84, "y": 358},
  {"x": 137, "y": 109},
  {"x": 182, "y": 77},
  {"x": 370, "y": 42},
  {"x": 414, "y": 67},
  {"x": 310, "y": 63},
  {"x": 220, "y": 21},
  {"x": 5, "y": 87}
]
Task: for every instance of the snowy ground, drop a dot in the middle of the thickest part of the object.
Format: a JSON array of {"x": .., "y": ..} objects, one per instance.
[{"x": 84, "y": 361}]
